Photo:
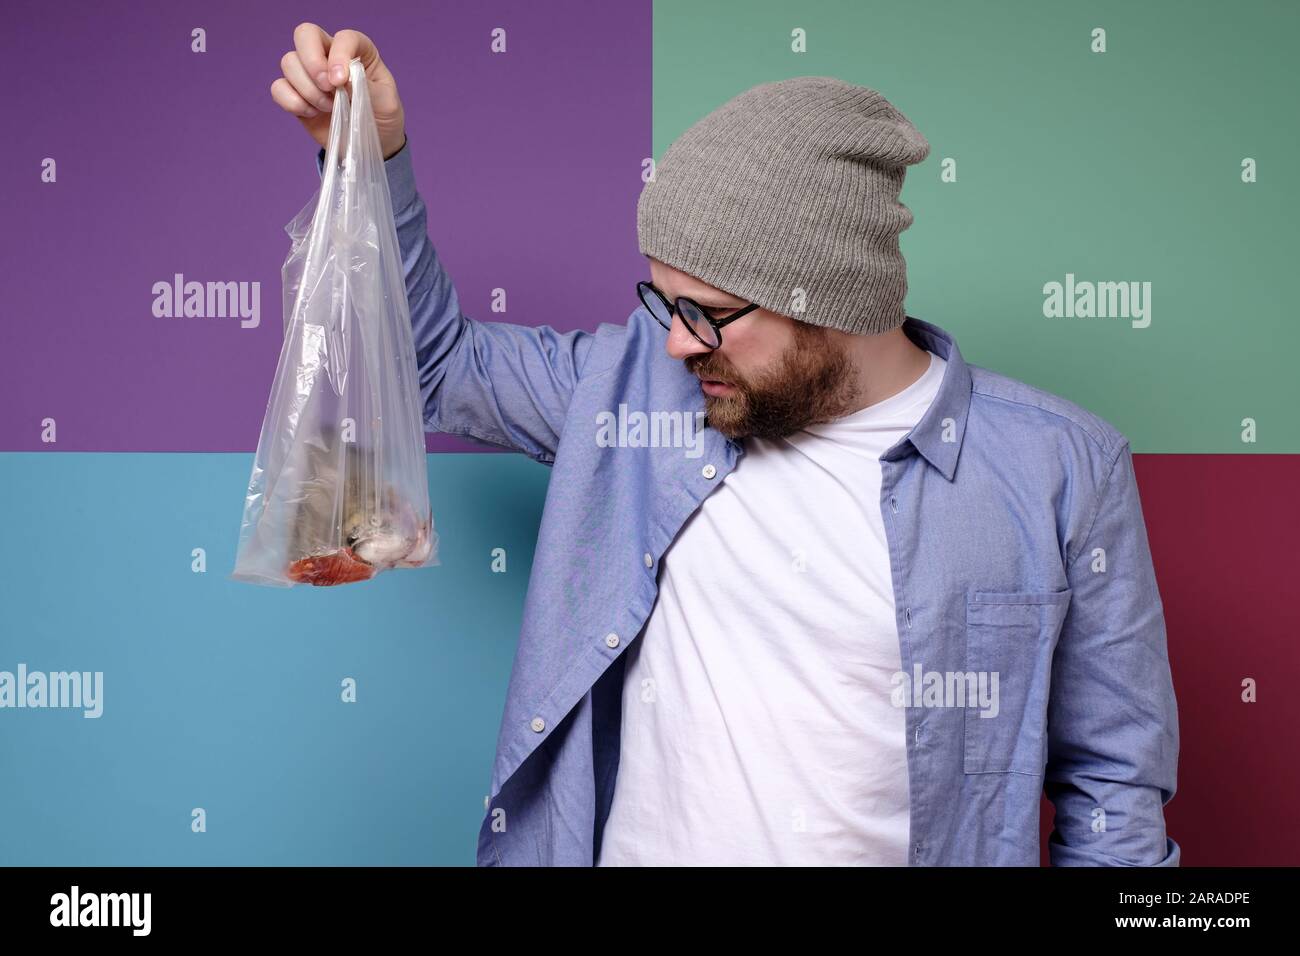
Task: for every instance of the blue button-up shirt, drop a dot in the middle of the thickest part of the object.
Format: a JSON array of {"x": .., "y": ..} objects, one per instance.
[{"x": 1016, "y": 544}]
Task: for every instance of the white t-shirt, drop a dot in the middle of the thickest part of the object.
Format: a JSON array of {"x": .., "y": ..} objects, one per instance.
[{"x": 757, "y": 723}]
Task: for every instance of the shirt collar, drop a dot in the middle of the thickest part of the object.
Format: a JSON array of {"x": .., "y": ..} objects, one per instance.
[
  {"x": 938, "y": 435},
  {"x": 937, "y": 441}
]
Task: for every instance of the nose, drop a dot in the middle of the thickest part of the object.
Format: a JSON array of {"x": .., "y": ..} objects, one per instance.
[{"x": 681, "y": 343}]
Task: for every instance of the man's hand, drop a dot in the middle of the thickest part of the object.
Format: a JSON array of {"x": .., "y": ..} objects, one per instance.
[{"x": 318, "y": 64}]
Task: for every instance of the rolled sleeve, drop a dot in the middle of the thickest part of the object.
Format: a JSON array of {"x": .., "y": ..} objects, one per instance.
[{"x": 400, "y": 173}]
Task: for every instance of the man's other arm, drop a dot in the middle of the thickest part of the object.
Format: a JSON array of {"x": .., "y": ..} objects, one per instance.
[{"x": 1112, "y": 717}]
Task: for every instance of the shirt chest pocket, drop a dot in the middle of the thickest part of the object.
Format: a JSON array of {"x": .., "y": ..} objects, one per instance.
[{"x": 1010, "y": 639}]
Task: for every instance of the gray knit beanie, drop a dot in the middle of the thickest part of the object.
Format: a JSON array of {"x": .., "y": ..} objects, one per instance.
[{"x": 787, "y": 195}]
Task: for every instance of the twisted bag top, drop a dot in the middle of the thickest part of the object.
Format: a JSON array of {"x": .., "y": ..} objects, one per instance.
[{"x": 788, "y": 186}]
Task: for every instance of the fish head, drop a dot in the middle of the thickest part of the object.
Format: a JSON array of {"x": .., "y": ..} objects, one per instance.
[{"x": 376, "y": 538}]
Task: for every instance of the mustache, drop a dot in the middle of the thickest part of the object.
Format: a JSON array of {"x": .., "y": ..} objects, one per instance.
[{"x": 705, "y": 368}]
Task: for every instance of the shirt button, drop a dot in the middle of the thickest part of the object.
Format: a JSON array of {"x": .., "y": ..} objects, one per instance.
[
  {"x": 538, "y": 724},
  {"x": 611, "y": 639},
  {"x": 649, "y": 559},
  {"x": 708, "y": 471}
]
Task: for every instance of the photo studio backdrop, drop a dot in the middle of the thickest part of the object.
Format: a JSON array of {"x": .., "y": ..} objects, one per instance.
[{"x": 1148, "y": 145}]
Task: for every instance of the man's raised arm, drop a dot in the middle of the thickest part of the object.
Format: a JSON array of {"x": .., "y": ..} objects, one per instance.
[{"x": 505, "y": 384}]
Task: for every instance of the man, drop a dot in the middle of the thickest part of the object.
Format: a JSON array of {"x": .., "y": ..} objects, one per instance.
[{"x": 869, "y": 614}]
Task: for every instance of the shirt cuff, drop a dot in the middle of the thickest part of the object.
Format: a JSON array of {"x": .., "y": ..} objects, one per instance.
[{"x": 398, "y": 169}]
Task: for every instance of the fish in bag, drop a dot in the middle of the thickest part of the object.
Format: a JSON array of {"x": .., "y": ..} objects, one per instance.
[{"x": 339, "y": 487}]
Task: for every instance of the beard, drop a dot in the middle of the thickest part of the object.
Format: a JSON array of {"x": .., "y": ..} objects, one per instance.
[{"x": 810, "y": 383}]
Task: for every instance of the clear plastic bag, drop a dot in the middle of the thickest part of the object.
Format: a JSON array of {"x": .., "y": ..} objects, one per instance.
[{"x": 339, "y": 487}]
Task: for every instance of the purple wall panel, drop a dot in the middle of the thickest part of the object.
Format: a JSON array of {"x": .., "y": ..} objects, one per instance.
[{"x": 171, "y": 161}]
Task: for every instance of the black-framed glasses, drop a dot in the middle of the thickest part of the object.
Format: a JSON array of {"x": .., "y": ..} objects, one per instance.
[{"x": 706, "y": 328}]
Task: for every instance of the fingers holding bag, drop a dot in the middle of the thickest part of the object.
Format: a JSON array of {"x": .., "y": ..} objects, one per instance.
[{"x": 318, "y": 65}]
